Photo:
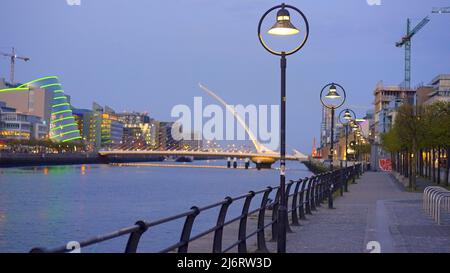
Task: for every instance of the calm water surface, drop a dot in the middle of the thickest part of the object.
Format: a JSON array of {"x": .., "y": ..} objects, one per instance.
[{"x": 50, "y": 206}]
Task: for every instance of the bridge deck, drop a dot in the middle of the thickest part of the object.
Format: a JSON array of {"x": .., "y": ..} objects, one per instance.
[{"x": 199, "y": 153}]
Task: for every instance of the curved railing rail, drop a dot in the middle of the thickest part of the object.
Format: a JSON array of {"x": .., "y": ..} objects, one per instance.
[{"x": 304, "y": 196}]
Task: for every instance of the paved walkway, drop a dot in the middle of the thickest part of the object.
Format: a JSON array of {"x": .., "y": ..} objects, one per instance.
[{"x": 376, "y": 209}]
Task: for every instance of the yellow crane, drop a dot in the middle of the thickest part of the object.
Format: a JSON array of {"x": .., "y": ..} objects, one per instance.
[{"x": 13, "y": 56}]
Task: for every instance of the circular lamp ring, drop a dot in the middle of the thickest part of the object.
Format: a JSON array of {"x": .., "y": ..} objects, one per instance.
[
  {"x": 343, "y": 100},
  {"x": 350, "y": 111},
  {"x": 283, "y": 53}
]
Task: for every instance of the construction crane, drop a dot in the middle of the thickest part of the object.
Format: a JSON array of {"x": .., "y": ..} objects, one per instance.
[
  {"x": 13, "y": 57},
  {"x": 406, "y": 41},
  {"x": 441, "y": 10}
]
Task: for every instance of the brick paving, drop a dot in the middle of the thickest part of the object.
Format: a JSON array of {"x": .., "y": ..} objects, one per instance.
[{"x": 376, "y": 209}]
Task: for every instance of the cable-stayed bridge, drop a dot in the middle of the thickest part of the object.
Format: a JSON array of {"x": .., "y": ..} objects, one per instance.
[{"x": 262, "y": 156}]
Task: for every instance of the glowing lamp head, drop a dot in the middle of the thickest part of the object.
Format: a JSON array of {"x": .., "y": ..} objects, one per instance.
[
  {"x": 283, "y": 26},
  {"x": 332, "y": 93},
  {"x": 347, "y": 115}
]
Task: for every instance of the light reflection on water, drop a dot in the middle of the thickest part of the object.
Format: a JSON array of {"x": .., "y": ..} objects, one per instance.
[{"x": 51, "y": 205}]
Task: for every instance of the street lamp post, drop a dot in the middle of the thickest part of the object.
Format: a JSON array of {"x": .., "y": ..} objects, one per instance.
[
  {"x": 332, "y": 100},
  {"x": 345, "y": 116},
  {"x": 356, "y": 135},
  {"x": 283, "y": 27}
]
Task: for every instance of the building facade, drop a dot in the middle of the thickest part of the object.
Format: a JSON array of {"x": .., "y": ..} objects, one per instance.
[
  {"x": 440, "y": 86},
  {"x": 166, "y": 139},
  {"x": 387, "y": 100},
  {"x": 19, "y": 126},
  {"x": 99, "y": 127},
  {"x": 44, "y": 98},
  {"x": 325, "y": 127},
  {"x": 138, "y": 129}
]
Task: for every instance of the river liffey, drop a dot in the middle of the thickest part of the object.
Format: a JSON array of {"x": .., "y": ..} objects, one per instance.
[{"x": 50, "y": 206}]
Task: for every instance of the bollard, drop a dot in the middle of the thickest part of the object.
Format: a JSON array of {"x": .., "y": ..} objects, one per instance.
[
  {"x": 346, "y": 180},
  {"x": 353, "y": 175},
  {"x": 330, "y": 197}
]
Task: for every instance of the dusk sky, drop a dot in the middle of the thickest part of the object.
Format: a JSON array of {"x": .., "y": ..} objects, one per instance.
[{"x": 150, "y": 55}]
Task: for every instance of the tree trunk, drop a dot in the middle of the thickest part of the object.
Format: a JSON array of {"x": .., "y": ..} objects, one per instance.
[
  {"x": 439, "y": 166},
  {"x": 413, "y": 158},
  {"x": 407, "y": 164},
  {"x": 447, "y": 166},
  {"x": 433, "y": 161},
  {"x": 419, "y": 162},
  {"x": 429, "y": 163},
  {"x": 413, "y": 172},
  {"x": 402, "y": 164}
]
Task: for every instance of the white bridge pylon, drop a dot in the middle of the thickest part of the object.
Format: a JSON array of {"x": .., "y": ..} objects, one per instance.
[{"x": 260, "y": 148}]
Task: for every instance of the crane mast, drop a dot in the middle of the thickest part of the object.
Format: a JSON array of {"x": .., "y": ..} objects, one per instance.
[
  {"x": 406, "y": 42},
  {"x": 13, "y": 56}
]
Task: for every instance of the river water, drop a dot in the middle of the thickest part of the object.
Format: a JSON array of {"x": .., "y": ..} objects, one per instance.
[{"x": 50, "y": 206}]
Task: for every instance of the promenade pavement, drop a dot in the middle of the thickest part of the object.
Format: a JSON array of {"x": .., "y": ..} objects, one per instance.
[{"x": 377, "y": 208}]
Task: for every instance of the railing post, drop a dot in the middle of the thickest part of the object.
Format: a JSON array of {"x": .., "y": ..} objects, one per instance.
[
  {"x": 313, "y": 195},
  {"x": 135, "y": 236},
  {"x": 261, "y": 236},
  {"x": 187, "y": 228},
  {"x": 295, "y": 221},
  {"x": 217, "y": 244},
  {"x": 301, "y": 208},
  {"x": 308, "y": 197},
  {"x": 275, "y": 206},
  {"x": 318, "y": 190},
  {"x": 242, "y": 247},
  {"x": 330, "y": 190},
  {"x": 288, "y": 189}
]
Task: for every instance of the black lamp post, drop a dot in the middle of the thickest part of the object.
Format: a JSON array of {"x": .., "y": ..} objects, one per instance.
[
  {"x": 356, "y": 135},
  {"x": 283, "y": 27},
  {"x": 345, "y": 117},
  {"x": 332, "y": 100}
]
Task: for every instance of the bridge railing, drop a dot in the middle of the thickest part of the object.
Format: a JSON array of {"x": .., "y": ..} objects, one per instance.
[{"x": 304, "y": 196}]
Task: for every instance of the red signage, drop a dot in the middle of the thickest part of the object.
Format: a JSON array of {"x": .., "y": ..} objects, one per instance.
[{"x": 385, "y": 165}]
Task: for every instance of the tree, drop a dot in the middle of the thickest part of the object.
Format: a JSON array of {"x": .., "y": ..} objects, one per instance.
[
  {"x": 437, "y": 135},
  {"x": 416, "y": 128}
]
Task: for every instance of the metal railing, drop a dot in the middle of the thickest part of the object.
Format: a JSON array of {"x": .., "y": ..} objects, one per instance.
[
  {"x": 304, "y": 196},
  {"x": 435, "y": 199}
]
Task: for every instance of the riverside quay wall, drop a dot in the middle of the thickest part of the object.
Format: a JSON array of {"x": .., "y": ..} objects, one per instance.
[{"x": 19, "y": 159}]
